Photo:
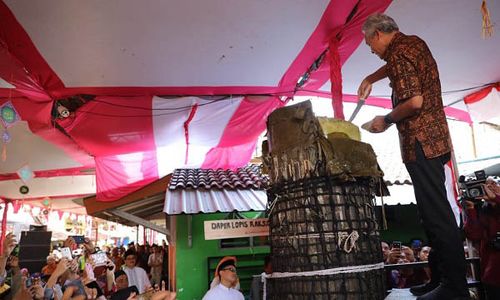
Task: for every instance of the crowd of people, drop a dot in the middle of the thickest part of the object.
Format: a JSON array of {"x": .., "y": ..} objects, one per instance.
[
  {"x": 481, "y": 227},
  {"x": 139, "y": 272},
  {"x": 401, "y": 254}
]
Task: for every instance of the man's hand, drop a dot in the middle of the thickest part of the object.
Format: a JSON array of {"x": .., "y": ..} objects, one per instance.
[
  {"x": 62, "y": 266},
  {"x": 91, "y": 293},
  {"x": 469, "y": 204},
  {"x": 70, "y": 243},
  {"x": 376, "y": 125},
  {"x": 133, "y": 296},
  {"x": 37, "y": 291},
  {"x": 89, "y": 246},
  {"x": 365, "y": 88},
  {"x": 163, "y": 294},
  {"x": 491, "y": 191},
  {"x": 8, "y": 245},
  {"x": 393, "y": 256},
  {"x": 14, "y": 262},
  {"x": 23, "y": 293}
]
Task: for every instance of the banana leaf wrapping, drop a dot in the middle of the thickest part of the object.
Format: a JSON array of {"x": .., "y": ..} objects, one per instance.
[{"x": 321, "y": 208}]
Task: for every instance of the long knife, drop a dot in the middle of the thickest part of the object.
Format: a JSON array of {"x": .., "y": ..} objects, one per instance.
[{"x": 361, "y": 102}]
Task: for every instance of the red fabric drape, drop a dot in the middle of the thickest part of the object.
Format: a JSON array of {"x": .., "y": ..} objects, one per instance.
[
  {"x": 16, "y": 205},
  {"x": 4, "y": 222},
  {"x": 194, "y": 108},
  {"x": 336, "y": 79}
]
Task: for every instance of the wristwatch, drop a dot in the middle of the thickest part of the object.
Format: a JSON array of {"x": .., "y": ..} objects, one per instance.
[{"x": 388, "y": 119}]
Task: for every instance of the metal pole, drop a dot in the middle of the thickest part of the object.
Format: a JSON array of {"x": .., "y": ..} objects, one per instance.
[{"x": 137, "y": 235}]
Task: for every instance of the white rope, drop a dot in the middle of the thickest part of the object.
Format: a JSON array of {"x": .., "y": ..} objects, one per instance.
[
  {"x": 350, "y": 241},
  {"x": 334, "y": 271}
]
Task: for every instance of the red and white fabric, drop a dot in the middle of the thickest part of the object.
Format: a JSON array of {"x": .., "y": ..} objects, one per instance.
[
  {"x": 136, "y": 141},
  {"x": 484, "y": 105},
  {"x": 451, "y": 191},
  {"x": 135, "y": 137}
]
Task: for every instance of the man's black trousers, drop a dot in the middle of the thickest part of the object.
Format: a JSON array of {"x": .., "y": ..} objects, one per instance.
[{"x": 439, "y": 223}]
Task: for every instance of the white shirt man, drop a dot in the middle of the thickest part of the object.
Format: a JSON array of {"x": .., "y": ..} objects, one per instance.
[
  {"x": 220, "y": 292},
  {"x": 155, "y": 261},
  {"x": 226, "y": 273},
  {"x": 136, "y": 275}
]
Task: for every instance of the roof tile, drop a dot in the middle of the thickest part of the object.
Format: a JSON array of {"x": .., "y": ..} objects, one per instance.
[{"x": 249, "y": 177}]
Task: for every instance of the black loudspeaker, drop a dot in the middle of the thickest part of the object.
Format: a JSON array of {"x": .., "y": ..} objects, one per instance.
[
  {"x": 38, "y": 227},
  {"x": 34, "y": 248}
]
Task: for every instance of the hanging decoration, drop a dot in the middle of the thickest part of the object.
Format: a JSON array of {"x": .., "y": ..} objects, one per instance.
[
  {"x": 8, "y": 114},
  {"x": 26, "y": 208},
  {"x": 46, "y": 202},
  {"x": 68, "y": 224},
  {"x": 25, "y": 173},
  {"x": 487, "y": 29},
  {"x": 24, "y": 189},
  {"x": 9, "y": 117},
  {"x": 6, "y": 138}
]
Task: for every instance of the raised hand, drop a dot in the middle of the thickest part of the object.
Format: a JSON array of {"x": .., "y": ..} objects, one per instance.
[
  {"x": 89, "y": 246},
  {"x": 23, "y": 293},
  {"x": 37, "y": 291},
  {"x": 91, "y": 293},
  {"x": 365, "y": 88},
  {"x": 9, "y": 244},
  {"x": 133, "y": 296},
  {"x": 70, "y": 243},
  {"x": 14, "y": 262},
  {"x": 163, "y": 294},
  {"x": 62, "y": 266}
]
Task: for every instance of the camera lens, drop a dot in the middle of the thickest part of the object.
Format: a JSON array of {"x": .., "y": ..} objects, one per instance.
[{"x": 475, "y": 192}]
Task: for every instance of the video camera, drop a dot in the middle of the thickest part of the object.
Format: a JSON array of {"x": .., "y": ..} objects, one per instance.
[{"x": 472, "y": 187}]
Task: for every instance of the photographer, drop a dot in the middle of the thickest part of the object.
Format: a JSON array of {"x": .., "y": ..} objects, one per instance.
[{"x": 482, "y": 225}]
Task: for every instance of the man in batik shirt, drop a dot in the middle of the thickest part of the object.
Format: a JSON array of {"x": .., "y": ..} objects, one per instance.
[{"x": 425, "y": 145}]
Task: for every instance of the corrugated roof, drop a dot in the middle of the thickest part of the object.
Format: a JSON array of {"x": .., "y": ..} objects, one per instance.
[
  {"x": 389, "y": 159},
  {"x": 249, "y": 177},
  {"x": 144, "y": 208},
  {"x": 193, "y": 201},
  {"x": 193, "y": 191}
]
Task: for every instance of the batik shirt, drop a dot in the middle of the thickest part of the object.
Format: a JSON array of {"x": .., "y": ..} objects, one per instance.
[{"x": 412, "y": 71}]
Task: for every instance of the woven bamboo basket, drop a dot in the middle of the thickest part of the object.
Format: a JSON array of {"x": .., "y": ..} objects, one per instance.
[{"x": 321, "y": 211}]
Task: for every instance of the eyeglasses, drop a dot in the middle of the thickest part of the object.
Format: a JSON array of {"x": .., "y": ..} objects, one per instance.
[{"x": 230, "y": 269}]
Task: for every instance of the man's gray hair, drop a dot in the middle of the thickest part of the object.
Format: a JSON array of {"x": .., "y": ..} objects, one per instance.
[{"x": 379, "y": 22}]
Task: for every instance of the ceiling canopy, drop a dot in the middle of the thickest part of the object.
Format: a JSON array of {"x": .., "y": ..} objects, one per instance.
[{"x": 150, "y": 86}]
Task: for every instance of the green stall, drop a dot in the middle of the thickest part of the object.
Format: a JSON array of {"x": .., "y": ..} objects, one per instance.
[{"x": 197, "y": 258}]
